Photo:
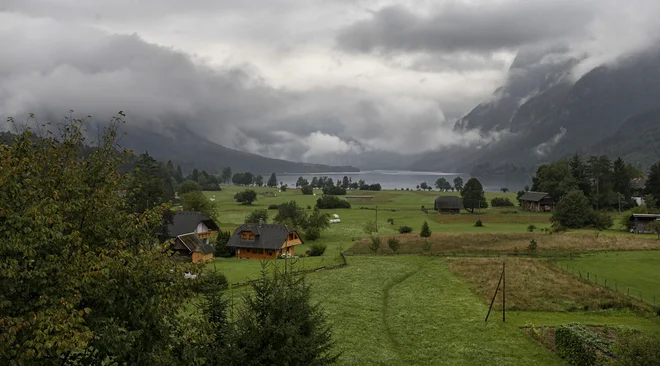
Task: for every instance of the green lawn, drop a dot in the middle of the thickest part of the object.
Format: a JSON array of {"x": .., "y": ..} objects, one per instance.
[
  {"x": 410, "y": 310},
  {"x": 637, "y": 270}
]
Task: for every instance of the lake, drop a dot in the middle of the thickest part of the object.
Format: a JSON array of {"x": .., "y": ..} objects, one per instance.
[{"x": 391, "y": 179}]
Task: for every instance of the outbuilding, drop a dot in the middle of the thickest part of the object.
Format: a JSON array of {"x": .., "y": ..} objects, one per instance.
[
  {"x": 448, "y": 205},
  {"x": 640, "y": 222},
  {"x": 536, "y": 201}
]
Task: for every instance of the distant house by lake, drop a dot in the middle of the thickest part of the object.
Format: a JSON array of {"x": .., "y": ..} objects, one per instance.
[
  {"x": 264, "y": 241},
  {"x": 448, "y": 205},
  {"x": 536, "y": 201},
  {"x": 189, "y": 234}
]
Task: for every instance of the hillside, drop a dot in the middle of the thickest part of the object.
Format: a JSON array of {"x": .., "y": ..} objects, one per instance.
[
  {"x": 560, "y": 116},
  {"x": 189, "y": 150}
]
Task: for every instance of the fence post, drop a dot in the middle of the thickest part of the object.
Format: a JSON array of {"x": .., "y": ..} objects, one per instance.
[
  {"x": 606, "y": 282},
  {"x": 580, "y": 272},
  {"x": 628, "y": 291},
  {"x": 587, "y": 276},
  {"x": 640, "y": 297}
]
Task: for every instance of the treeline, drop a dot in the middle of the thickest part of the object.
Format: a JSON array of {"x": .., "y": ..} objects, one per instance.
[
  {"x": 607, "y": 184},
  {"x": 329, "y": 186},
  {"x": 442, "y": 185}
]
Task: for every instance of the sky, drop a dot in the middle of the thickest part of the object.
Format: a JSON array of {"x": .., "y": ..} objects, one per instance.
[{"x": 311, "y": 80}]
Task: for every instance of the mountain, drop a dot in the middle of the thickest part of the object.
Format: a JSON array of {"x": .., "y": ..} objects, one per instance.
[
  {"x": 189, "y": 150},
  {"x": 544, "y": 112}
]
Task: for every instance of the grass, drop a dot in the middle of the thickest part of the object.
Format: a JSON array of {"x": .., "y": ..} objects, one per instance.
[
  {"x": 637, "y": 271},
  {"x": 535, "y": 285},
  {"x": 410, "y": 310},
  {"x": 514, "y": 243}
]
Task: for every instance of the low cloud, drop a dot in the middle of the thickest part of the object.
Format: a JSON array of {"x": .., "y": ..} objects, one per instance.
[{"x": 545, "y": 148}]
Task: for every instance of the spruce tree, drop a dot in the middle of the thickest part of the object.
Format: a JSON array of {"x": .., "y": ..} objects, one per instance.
[
  {"x": 272, "y": 181},
  {"x": 426, "y": 231}
]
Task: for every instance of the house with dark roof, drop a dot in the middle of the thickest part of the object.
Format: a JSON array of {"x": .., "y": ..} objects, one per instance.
[
  {"x": 189, "y": 245},
  {"x": 637, "y": 188},
  {"x": 448, "y": 205},
  {"x": 264, "y": 241},
  {"x": 536, "y": 201},
  {"x": 189, "y": 235}
]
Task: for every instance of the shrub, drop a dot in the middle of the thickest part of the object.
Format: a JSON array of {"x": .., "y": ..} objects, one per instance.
[
  {"x": 479, "y": 223},
  {"x": 375, "y": 244},
  {"x": 426, "y": 231},
  {"x": 307, "y": 190},
  {"x": 427, "y": 246},
  {"x": 532, "y": 245},
  {"x": 506, "y": 212},
  {"x": 312, "y": 234},
  {"x": 405, "y": 229},
  {"x": 189, "y": 186},
  {"x": 330, "y": 201},
  {"x": 309, "y": 207},
  {"x": 334, "y": 190},
  {"x": 390, "y": 221},
  {"x": 257, "y": 216},
  {"x": 635, "y": 348},
  {"x": 601, "y": 221},
  {"x": 531, "y": 228},
  {"x": 573, "y": 211},
  {"x": 369, "y": 227},
  {"x": 394, "y": 244},
  {"x": 273, "y": 206},
  {"x": 578, "y": 345},
  {"x": 246, "y": 197},
  {"x": 501, "y": 202},
  {"x": 317, "y": 249}
]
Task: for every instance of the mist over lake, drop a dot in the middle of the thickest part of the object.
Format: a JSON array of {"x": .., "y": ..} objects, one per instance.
[{"x": 397, "y": 179}]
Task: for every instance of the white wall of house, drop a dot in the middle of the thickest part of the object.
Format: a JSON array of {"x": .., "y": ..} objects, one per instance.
[
  {"x": 640, "y": 201},
  {"x": 201, "y": 228}
]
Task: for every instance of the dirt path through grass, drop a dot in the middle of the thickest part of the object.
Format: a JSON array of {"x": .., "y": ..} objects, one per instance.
[{"x": 417, "y": 305}]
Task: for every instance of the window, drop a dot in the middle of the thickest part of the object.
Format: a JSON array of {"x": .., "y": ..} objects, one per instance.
[
  {"x": 258, "y": 251},
  {"x": 246, "y": 235}
]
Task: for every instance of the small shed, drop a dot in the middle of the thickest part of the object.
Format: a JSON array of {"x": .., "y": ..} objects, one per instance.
[
  {"x": 190, "y": 245},
  {"x": 448, "y": 205},
  {"x": 536, "y": 201},
  {"x": 640, "y": 222}
]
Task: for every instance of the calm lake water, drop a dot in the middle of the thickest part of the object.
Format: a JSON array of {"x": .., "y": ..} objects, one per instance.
[{"x": 391, "y": 179}]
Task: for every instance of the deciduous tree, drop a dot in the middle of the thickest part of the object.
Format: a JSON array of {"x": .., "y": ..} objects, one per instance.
[{"x": 473, "y": 195}]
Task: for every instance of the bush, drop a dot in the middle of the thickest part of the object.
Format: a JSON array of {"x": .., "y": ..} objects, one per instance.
[
  {"x": 531, "y": 228},
  {"x": 635, "y": 348},
  {"x": 246, "y": 197},
  {"x": 273, "y": 206},
  {"x": 427, "y": 246},
  {"x": 506, "y": 212},
  {"x": 532, "y": 245},
  {"x": 390, "y": 221},
  {"x": 426, "y": 231},
  {"x": 375, "y": 244},
  {"x": 394, "y": 244},
  {"x": 578, "y": 345},
  {"x": 479, "y": 223},
  {"x": 405, "y": 229},
  {"x": 312, "y": 234},
  {"x": 334, "y": 190},
  {"x": 317, "y": 249},
  {"x": 573, "y": 211},
  {"x": 501, "y": 202},
  {"x": 189, "y": 186},
  {"x": 309, "y": 207},
  {"x": 257, "y": 216},
  {"x": 330, "y": 201},
  {"x": 307, "y": 190},
  {"x": 369, "y": 227},
  {"x": 601, "y": 221}
]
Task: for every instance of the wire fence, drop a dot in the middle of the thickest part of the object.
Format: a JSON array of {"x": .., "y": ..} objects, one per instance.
[{"x": 611, "y": 284}]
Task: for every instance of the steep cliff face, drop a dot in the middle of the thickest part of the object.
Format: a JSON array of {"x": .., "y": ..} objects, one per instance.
[{"x": 542, "y": 114}]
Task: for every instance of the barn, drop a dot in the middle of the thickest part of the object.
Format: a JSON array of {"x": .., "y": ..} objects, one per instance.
[
  {"x": 640, "y": 222},
  {"x": 264, "y": 241},
  {"x": 189, "y": 245},
  {"x": 536, "y": 201},
  {"x": 448, "y": 205}
]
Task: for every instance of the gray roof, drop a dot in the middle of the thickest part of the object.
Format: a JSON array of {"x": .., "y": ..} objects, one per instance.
[
  {"x": 638, "y": 183},
  {"x": 645, "y": 216},
  {"x": 185, "y": 222},
  {"x": 266, "y": 236},
  {"x": 193, "y": 243},
  {"x": 534, "y": 196},
  {"x": 448, "y": 203}
]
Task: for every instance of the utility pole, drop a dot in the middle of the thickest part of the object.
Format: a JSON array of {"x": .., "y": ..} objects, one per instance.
[
  {"x": 376, "y": 218},
  {"x": 504, "y": 291}
]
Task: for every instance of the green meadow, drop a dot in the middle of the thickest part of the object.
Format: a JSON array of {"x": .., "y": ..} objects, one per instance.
[{"x": 412, "y": 309}]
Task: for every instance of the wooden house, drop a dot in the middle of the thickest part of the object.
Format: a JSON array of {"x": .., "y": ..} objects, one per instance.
[
  {"x": 537, "y": 201},
  {"x": 448, "y": 205},
  {"x": 264, "y": 241},
  {"x": 640, "y": 222},
  {"x": 189, "y": 245},
  {"x": 637, "y": 188},
  {"x": 189, "y": 234}
]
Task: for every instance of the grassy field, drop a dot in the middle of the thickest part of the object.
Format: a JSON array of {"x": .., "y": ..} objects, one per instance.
[
  {"x": 410, "y": 310},
  {"x": 413, "y": 309},
  {"x": 638, "y": 271}
]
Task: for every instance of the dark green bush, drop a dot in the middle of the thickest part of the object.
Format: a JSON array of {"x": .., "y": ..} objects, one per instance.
[
  {"x": 390, "y": 221},
  {"x": 394, "y": 244},
  {"x": 338, "y": 191},
  {"x": 317, "y": 250},
  {"x": 578, "y": 345},
  {"x": 601, "y": 221},
  {"x": 405, "y": 229},
  {"x": 635, "y": 348},
  {"x": 312, "y": 234},
  {"x": 273, "y": 206},
  {"x": 501, "y": 202},
  {"x": 426, "y": 231},
  {"x": 531, "y": 228},
  {"x": 307, "y": 190},
  {"x": 479, "y": 223},
  {"x": 532, "y": 245},
  {"x": 330, "y": 201}
]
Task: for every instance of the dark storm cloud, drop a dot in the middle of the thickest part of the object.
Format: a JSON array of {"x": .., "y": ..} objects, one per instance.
[{"x": 480, "y": 27}]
